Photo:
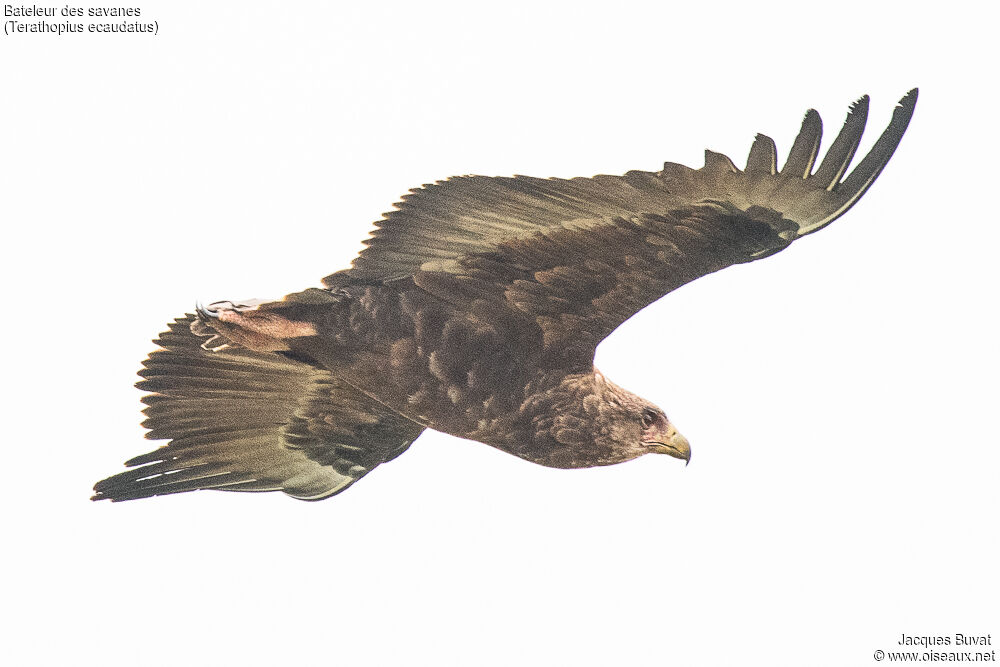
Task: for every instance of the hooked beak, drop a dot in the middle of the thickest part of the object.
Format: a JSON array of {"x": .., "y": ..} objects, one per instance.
[{"x": 671, "y": 443}]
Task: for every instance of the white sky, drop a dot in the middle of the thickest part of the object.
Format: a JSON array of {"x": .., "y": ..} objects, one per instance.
[{"x": 840, "y": 397}]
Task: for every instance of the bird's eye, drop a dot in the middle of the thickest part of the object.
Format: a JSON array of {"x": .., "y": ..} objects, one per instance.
[{"x": 648, "y": 418}]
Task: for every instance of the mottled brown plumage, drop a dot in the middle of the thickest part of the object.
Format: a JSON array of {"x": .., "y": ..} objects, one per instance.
[{"x": 476, "y": 310}]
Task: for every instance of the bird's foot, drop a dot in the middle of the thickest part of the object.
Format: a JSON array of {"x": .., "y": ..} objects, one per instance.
[{"x": 245, "y": 324}]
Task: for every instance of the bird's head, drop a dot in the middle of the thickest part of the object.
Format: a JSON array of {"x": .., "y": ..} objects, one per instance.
[
  {"x": 662, "y": 437},
  {"x": 589, "y": 421},
  {"x": 636, "y": 427}
]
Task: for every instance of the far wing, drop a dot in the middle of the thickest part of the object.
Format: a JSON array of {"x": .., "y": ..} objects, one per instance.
[
  {"x": 580, "y": 256},
  {"x": 440, "y": 223},
  {"x": 239, "y": 420}
]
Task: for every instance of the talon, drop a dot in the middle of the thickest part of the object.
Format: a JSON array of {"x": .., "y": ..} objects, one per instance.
[{"x": 204, "y": 314}]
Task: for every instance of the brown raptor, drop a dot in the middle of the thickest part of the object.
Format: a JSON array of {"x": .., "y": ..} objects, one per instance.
[{"x": 475, "y": 310}]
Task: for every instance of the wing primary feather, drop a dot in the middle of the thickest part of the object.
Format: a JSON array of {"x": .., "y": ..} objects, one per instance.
[
  {"x": 805, "y": 147},
  {"x": 718, "y": 162},
  {"x": 841, "y": 152},
  {"x": 763, "y": 157},
  {"x": 871, "y": 166}
]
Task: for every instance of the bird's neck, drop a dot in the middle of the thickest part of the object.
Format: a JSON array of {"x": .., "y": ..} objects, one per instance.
[{"x": 559, "y": 422}]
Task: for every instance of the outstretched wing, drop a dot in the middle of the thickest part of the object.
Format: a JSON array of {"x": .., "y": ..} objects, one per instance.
[
  {"x": 239, "y": 420},
  {"x": 580, "y": 256}
]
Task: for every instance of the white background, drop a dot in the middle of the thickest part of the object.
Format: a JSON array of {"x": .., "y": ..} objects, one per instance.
[{"x": 840, "y": 397}]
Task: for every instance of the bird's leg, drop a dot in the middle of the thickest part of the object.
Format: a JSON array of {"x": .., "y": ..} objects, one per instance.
[{"x": 250, "y": 324}]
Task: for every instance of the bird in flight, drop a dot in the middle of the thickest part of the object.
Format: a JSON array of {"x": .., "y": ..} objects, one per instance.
[{"x": 475, "y": 310}]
